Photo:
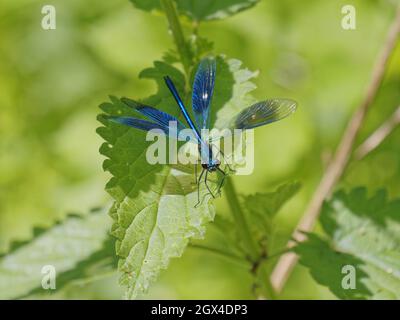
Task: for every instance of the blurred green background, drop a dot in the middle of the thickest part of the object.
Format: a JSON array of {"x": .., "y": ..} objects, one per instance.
[{"x": 53, "y": 81}]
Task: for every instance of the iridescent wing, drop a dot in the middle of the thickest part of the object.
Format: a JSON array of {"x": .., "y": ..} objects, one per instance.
[
  {"x": 161, "y": 120},
  {"x": 138, "y": 123},
  {"x": 203, "y": 88},
  {"x": 262, "y": 113},
  {"x": 158, "y": 116},
  {"x": 171, "y": 131}
]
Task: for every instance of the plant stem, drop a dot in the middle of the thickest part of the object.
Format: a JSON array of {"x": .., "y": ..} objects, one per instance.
[
  {"x": 379, "y": 135},
  {"x": 266, "y": 284},
  {"x": 249, "y": 242},
  {"x": 240, "y": 261},
  {"x": 241, "y": 222},
  {"x": 177, "y": 33}
]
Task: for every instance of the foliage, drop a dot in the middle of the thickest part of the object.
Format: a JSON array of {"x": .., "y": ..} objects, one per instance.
[
  {"x": 261, "y": 209},
  {"x": 361, "y": 232},
  {"x": 49, "y": 163},
  {"x": 77, "y": 247},
  {"x": 201, "y": 10},
  {"x": 154, "y": 211}
]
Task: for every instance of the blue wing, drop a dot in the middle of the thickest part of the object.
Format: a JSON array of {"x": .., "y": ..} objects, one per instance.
[
  {"x": 262, "y": 113},
  {"x": 170, "y": 125},
  {"x": 154, "y": 114},
  {"x": 203, "y": 88},
  {"x": 142, "y": 124}
]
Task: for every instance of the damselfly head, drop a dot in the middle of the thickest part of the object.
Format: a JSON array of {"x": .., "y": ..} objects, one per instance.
[{"x": 211, "y": 167}]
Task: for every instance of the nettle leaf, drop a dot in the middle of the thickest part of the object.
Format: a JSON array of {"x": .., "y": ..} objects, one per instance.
[
  {"x": 76, "y": 247},
  {"x": 154, "y": 215},
  {"x": 200, "y": 46},
  {"x": 213, "y": 9},
  {"x": 232, "y": 91},
  {"x": 261, "y": 208},
  {"x": 200, "y": 9},
  {"x": 222, "y": 237},
  {"x": 171, "y": 56},
  {"x": 147, "y": 5},
  {"x": 363, "y": 233}
]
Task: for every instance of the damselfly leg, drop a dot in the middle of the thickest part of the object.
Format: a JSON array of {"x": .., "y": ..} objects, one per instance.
[
  {"x": 198, "y": 188},
  {"x": 207, "y": 186},
  {"x": 221, "y": 184},
  {"x": 226, "y": 164},
  {"x": 195, "y": 173}
]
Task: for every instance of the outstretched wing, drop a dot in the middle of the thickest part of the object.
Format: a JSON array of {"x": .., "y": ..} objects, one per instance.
[
  {"x": 262, "y": 113},
  {"x": 142, "y": 124},
  {"x": 158, "y": 116},
  {"x": 203, "y": 88},
  {"x": 170, "y": 125}
]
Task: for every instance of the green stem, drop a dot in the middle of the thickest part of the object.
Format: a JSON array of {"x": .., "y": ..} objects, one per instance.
[
  {"x": 186, "y": 58},
  {"x": 250, "y": 243},
  {"x": 266, "y": 286},
  {"x": 177, "y": 33},
  {"x": 241, "y": 222},
  {"x": 232, "y": 258}
]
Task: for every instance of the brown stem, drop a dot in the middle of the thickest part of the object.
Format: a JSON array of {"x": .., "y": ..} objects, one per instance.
[
  {"x": 337, "y": 166},
  {"x": 378, "y": 136}
]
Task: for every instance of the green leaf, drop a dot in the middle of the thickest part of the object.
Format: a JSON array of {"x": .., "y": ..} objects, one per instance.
[
  {"x": 213, "y": 9},
  {"x": 222, "y": 238},
  {"x": 154, "y": 215},
  {"x": 75, "y": 247},
  {"x": 362, "y": 232},
  {"x": 261, "y": 208},
  {"x": 232, "y": 91},
  {"x": 268, "y": 204},
  {"x": 147, "y": 5},
  {"x": 200, "y": 9},
  {"x": 200, "y": 46}
]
